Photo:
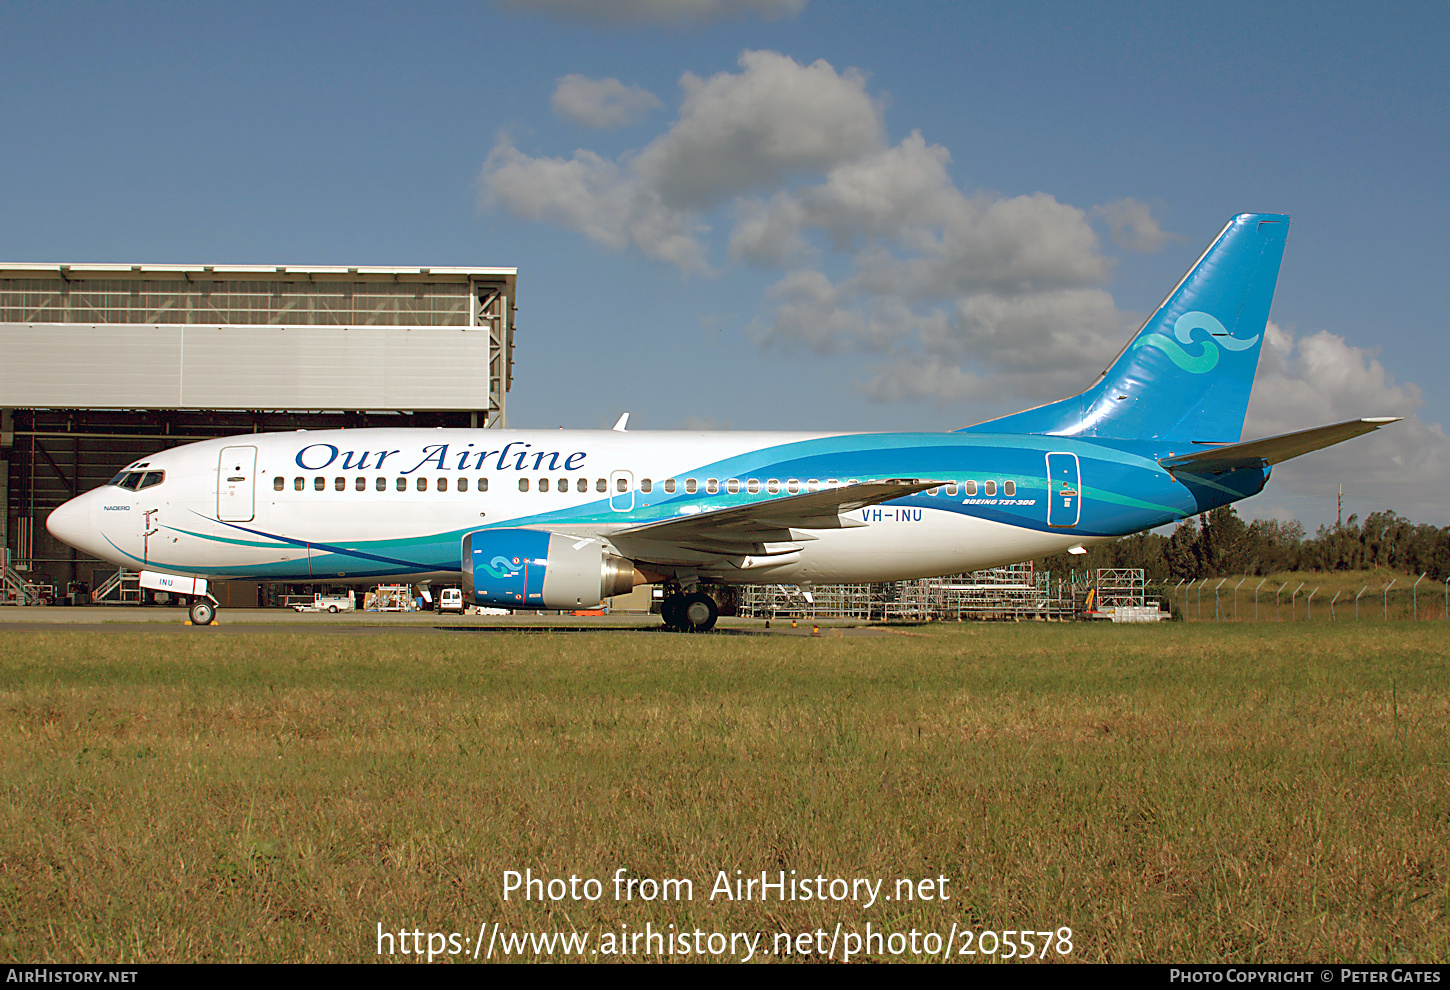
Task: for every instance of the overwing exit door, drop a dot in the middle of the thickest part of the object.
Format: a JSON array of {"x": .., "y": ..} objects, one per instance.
[
  {"x": 621, "y": 491},
  {"x": 1064, "y": 490},
  {"x": 236, "y": 484}
]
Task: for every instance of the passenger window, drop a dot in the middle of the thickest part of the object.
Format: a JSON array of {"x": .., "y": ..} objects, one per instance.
[
  {"x": 442, "y": 484},
  {"x": 523, "y": 484},
  {"x": 621, "y": 485},
  {"x": 712, "y": 485},
  {"x": 971, "y": 488},
  {"x": 690, "y": 486},
  {"x": 483, "y": 484},
  {"x": 991, "y": 489},
  {"x": 792, "y": 486},
  {"x": 646, "y": 486},
  {"x": 422, "y": 484},
  {"x": 601, "y": 485},
  {"x": 582, "y": 485},
  {"x": 401, "y": 484},
  {"x": 298, "y": 484},
  {"x": 753, "y": 485},
  {"x": 382, "y": 484},
  {"x": 361, "y": 484},
  {"x": 319, "y": 484},
  {"x": 813, "y": 485},
  {"x": 1009, "y": 488},
  {"x": 669, "y": 486},
  {"x": 952, "y": 488},
  {"x": 463, "y": 484},
  {"x": 772, "y": 485},
  {"x": 279, "y": 483},
  {"x": 934, "y": 492},
  {"x": 340, "y": 484},
  {"x": 733, "y": 486},
  {"x": 563, "y": 485},
  {"x": 543, "y": 484}
]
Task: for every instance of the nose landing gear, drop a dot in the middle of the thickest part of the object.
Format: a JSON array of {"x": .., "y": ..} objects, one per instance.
[{"x": 203, "y": 612}]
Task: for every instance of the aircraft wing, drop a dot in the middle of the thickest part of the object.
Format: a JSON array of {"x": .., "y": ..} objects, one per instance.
[
  {"x": 774, "y": 518},
  {"x": 1272, "y": 450}
]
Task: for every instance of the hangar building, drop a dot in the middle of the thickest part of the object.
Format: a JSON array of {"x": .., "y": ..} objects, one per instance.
[{"x": 104, "y": 364}]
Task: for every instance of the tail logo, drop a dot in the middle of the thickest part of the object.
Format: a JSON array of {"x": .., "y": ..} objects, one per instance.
[{"x": 1207, "y": 357}]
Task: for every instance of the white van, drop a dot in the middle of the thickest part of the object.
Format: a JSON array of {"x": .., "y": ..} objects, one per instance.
[{"x": 451, "y": 600}]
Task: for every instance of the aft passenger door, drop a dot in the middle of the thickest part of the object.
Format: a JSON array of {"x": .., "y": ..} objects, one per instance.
[
  {"x": 236, "y": 484},
  {"x": 1064, "y": 490}
]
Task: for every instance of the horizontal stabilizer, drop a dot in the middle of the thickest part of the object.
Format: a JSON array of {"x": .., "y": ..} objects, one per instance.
[
  {"x": 1272, "y": 450},
  {"x": 759, "y": 520}
]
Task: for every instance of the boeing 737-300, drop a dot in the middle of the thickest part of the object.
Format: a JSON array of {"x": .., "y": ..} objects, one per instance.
[{"x": 563, "y": 519}]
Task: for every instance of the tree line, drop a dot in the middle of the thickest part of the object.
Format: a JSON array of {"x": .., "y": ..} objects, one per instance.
[{"x": 1220, "y": 544}]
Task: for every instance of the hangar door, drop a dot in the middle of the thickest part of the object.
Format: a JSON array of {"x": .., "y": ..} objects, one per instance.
[{"x": 236, "y": 484}]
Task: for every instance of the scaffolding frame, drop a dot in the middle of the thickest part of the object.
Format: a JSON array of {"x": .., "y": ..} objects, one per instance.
[{"x": 1015, "y": 592}]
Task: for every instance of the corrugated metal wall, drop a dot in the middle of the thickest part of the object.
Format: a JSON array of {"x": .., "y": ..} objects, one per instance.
[
  {"x": 241, "y": 302},
  {"x": 64, "y": 366}
]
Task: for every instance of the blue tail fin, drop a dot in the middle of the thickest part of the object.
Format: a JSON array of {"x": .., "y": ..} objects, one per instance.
[{"x": 1188, "y": 372}]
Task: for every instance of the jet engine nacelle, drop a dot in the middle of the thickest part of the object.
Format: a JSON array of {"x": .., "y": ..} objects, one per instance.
[{"x": 530, "y": 568}]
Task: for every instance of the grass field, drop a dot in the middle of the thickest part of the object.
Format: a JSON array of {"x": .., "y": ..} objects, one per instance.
[{"x": 1180, "y": 792}]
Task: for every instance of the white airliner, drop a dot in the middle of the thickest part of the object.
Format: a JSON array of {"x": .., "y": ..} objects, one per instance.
[{"x": 563, "y": 519}]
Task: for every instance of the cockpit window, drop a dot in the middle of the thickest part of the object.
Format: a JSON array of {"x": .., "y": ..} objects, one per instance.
[{"x": 136, "y": 480}]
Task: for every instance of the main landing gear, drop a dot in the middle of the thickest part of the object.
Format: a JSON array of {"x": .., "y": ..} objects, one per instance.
[{"x": 695, "y": 612}]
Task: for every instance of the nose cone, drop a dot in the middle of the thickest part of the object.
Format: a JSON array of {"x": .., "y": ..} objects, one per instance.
[{"x": 71, "y": 523}]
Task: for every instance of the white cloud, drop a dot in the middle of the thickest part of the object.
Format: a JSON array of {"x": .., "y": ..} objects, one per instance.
[
  {"x": 601, "y": 102},
  {"x": 753, "y": 129},
  {"x": 595, "y": 197},
  {"x": 768, "y": 233},
  {"x": 1132, "y": 226},
  {"x": 1320, "y": 379},
  {"x": 736, "y": 132},
  {"x": 966, "y": 297},
  {"x": 662, "y": 11}
]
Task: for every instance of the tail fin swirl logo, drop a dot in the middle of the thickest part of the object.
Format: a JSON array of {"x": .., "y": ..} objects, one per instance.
[{"x": 1207, "y": 357}]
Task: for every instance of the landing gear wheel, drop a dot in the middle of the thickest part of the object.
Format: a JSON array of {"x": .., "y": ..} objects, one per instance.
[
  {"x": 672, "y": 610},
  {"x": 202, "y": 612},
  {"x": 699, "y": 613}
]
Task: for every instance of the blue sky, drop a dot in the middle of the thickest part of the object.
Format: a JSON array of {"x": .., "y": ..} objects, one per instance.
[{"x": 789, "y": 214}]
